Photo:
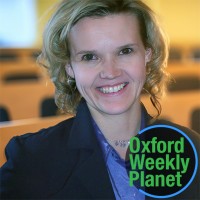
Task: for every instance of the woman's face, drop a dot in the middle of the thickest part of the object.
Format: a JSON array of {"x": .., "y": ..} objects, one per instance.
[{"x": 108, "y": 62}]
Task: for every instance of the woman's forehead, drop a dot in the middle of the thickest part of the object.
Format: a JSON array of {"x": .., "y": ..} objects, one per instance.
[
  {"x": 111, "y": 26},
  {"x": 115, "y": 30}
]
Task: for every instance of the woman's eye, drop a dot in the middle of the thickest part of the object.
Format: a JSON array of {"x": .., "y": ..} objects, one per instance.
[
  {"x": 89, "y": 57},
  {"x": 126, "y": 51}
]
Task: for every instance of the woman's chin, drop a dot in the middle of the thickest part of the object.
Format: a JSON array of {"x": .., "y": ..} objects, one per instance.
[{"x": 116, "y": 109}]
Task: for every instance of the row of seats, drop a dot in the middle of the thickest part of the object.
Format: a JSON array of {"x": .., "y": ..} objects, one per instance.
[
  {"x": 24, "y": 100},
  {"x": 178, "y": 110},
  {"x": 180, "y": 54},
  {"x": 26, "y": 91},
  {"x": 47, "y": 108},
  {"x": 19, "y": 65},
  {"x": 181, "y": 104}
]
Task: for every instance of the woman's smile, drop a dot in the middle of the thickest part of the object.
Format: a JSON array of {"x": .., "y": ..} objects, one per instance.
[{"x": 114, "y": 89}]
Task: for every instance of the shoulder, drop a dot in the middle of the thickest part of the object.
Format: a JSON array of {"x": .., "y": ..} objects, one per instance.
[
  {"x": 58, "y": 130},
  {"x": 52, "y": 142},
  {"x": 189, "y": 132},
  {"x": 41, "y": 142},
  {"x": 193, "y": 135},
  {"x": 31, "y": 156}
]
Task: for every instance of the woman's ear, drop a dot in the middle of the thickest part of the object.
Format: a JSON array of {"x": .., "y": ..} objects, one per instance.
[
  {"x": 148, "y": 55},
  {"x": 69, "y": 70}
]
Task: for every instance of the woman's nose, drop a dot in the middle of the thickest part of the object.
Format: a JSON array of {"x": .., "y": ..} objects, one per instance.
[{"x": 110, "y": 70}]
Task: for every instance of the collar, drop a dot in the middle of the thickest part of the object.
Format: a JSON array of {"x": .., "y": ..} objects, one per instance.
[
  {"x": 82, "y": 134},
  {"x": 106, "y": 147}
]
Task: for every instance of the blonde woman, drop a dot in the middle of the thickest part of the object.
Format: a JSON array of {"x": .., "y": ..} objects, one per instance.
[{"x": 100, "y": 55}]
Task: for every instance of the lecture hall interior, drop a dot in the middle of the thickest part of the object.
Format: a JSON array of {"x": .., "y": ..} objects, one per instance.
[{"x": 27, "y": 94}]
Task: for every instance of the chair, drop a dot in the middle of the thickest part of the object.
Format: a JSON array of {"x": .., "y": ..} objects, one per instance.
[
  {"x": 185, "y": 83},
  {"x": 196, "y": 54},
  {"x": 195, "y": 120},
  {"x": 5, "y": 57},
  {"x": 23, "y": 99},
  {"x": 175, "y": 54},
  {"x": 48, "y": 107},
  {"x": 4, "y": 116},
  {"x": 16, "y": 77}
]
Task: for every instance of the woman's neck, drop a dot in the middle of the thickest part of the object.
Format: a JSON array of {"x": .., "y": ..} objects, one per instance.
[{"x": 119, "y": 127}]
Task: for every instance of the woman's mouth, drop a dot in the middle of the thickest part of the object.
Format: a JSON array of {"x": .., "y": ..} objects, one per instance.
[{"x": 112, "y": 89}]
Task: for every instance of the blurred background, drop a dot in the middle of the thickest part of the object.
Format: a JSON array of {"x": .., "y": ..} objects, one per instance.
[{"x": 27, "y": 93}]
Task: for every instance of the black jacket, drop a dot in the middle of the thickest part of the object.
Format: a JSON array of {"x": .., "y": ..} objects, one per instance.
[{"x": 65, "y": 162}]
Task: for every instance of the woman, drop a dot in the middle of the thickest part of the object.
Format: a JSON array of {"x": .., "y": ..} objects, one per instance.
[{"x": 100, "y": 55}]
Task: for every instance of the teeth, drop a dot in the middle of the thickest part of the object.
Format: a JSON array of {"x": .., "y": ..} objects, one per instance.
[{"x": 107, "y": 90}]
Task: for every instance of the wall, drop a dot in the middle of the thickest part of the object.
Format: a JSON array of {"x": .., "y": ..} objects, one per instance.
[
  {"x": 180, "y": 18},
  {"x": 44, "y": 11}
]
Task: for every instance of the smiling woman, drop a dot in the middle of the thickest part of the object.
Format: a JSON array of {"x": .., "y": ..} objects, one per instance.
[
  {"x": 58, "y": 55},
  {"x": 100, "y": 55},
  {"x": 111, "y": 70}
]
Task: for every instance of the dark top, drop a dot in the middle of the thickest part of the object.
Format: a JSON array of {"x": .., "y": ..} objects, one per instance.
[{"x": 66, "y": 162}]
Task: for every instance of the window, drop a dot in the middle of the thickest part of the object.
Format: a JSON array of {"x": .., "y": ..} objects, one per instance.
[{"x": 18, "y": 23}]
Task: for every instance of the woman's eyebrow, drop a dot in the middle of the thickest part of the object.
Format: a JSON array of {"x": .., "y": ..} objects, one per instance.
[
  {"x": 127, "y": 46},
  {"x": 86, "y": 52}
]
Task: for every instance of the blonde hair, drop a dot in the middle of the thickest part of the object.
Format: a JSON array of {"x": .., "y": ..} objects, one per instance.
[{"x": 55, "y": 52}]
